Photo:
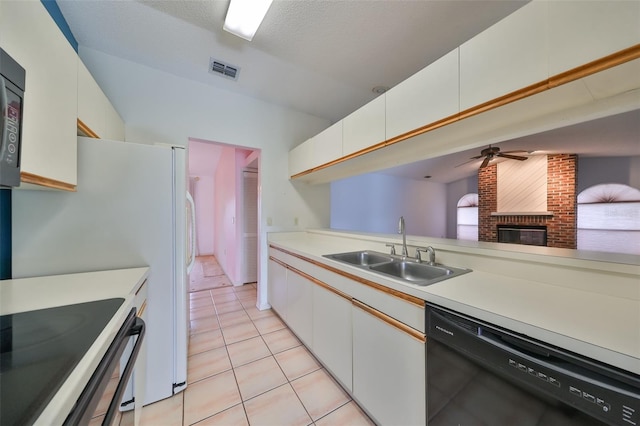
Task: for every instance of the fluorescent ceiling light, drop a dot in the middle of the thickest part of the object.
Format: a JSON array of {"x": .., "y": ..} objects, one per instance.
[{"x": 245, "y": 16}]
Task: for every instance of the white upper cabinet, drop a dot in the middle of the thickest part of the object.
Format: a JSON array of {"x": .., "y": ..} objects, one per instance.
[
  {"x": 327, "y": 146},
  {"x": 508, "y": 56},
  {"x": 90, "y": 100},
  {"x": 49, "y": 144},
  {"x": 301, "y": 157},
  {"x": 364, "y": 127},
  {"x": 427, "y": 96},
  {"x": 320, "y": 149},
  {"x": 94, "y": 108},
  {"x": 583, "y": 31}
]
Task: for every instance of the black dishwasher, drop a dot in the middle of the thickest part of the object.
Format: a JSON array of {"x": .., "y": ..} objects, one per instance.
[{"x": 481, "y": 374}]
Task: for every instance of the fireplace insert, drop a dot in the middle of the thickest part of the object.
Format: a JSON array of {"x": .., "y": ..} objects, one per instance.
[{"x": 523, "y": 234}]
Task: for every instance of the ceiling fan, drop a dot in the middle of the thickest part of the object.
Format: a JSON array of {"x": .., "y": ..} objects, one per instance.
[{"x": 494, "y": 152}]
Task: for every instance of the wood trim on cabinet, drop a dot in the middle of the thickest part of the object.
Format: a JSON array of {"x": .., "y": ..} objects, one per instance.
[
  {"x": 391, "y": 321},
  {"x": 279, "y": 262},
  {"x": 86, "y": 130},
  {"x": 312, "y": 279},
  {"x": 593, "y": 67},
  {"x": 142, "y": 309},
  {"x": 400, "y": 295},
  {"x": 623, "y": 56},
  {"x": 31, "y": 178}
]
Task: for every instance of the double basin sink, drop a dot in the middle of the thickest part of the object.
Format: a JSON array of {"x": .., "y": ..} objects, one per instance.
[{"x": 399, "y": 267}]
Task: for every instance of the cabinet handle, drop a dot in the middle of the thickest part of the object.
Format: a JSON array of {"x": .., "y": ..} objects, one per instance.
[
  {"x": 312, "y": 279},
  {"x": 391, "y": 321}
]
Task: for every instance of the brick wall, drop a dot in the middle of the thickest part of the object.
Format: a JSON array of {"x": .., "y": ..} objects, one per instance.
[{"x": 561, "y": 202}]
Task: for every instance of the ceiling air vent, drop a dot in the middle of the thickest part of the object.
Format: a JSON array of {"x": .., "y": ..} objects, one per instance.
[{"x": 223, "y": 69}]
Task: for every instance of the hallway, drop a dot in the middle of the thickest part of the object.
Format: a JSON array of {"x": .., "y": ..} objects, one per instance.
[{"x": 246, "y": 367}]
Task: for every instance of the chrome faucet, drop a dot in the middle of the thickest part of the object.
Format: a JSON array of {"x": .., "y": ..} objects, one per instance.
[
  {"x": 401, "y": 230},
  {"x": 430, "y": 250}
]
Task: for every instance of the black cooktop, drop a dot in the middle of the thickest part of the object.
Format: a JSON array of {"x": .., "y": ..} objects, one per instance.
[{"x": 39, "y": 349}]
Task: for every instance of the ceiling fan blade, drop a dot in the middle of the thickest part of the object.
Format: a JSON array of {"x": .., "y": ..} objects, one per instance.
[
  {"x": 513, "y": 157},
  {"x": 485, "y": 163},
  {"x": 477, "y": 157},
  {"x": 517, "y": 150}
]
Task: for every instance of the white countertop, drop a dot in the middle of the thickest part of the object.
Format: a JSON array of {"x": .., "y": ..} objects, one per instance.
[
  {"x": 599, "y": 319},
  {"x": 27, "y": 294}
]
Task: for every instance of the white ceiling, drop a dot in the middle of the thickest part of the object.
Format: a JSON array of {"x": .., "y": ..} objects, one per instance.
[{"x": 322, "y": 57}]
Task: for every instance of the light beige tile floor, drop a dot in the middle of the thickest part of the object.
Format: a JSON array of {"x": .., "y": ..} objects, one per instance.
[{"x": 245, "y": 367}]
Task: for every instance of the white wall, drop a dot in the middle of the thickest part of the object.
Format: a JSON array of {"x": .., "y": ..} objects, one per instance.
[
  {"x": 455, "y": 191},
  {"x": 596, "y": 170},
  {"x": 160, "y": 107},
  {"x": 374, "y": 202}
]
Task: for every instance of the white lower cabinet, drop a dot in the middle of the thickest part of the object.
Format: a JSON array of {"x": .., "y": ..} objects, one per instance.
[
  {"x": 300, "y": 307},
  {"x": 332, "y": 335},
  {"x": 389, "y": 370},
  {"x": 378, "y": 359},
  {"x": 278, "y": 288}
]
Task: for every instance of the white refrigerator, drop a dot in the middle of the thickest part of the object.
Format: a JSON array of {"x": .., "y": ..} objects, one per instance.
[{"x": 129, "y": 211}]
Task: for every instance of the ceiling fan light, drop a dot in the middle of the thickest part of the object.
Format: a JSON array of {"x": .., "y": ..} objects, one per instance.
[{"x": 245, "y": 16}]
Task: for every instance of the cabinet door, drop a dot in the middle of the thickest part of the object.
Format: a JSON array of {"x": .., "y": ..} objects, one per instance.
[
  {"x": 90, "y": 101},
  {"x": 95, "y": 110},
  {"x": 427, "y": 96},
  {"x": 582, "y": 31},
  {"x": 301, "y": 157},
  {"x": 332, "y": 333},
  {"x": 508, "y": 56},
  {"x": 277, "y": 289},
  {"x": 389, "y": 369},
  {"x": 364, "y": 127},
  {"x": 323, "y": 148},
  {"x": 327, "y": 145},
  {"x": 300, "y": 307},
  {"x": 49, "y": 143}
]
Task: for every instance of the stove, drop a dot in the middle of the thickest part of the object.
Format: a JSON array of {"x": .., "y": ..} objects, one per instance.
[{"x": 39, "y": 350}]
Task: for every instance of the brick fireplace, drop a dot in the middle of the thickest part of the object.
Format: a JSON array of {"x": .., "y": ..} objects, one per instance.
[{"x": 560, "y": 222}]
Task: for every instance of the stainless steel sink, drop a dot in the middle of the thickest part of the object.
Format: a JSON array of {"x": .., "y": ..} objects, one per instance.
[
  {"x": 399, "y": 267},
  {"x": 361, "y": 258},
  {"x": 411, "y": 271}
]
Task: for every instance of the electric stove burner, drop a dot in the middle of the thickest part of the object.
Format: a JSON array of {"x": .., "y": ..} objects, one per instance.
[{"x": 38, "y": 351}]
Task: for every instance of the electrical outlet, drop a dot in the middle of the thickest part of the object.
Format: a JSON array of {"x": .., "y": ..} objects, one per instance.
[
  {"x": 295, "y": 221},
  {"x": 269, "y": 221}
]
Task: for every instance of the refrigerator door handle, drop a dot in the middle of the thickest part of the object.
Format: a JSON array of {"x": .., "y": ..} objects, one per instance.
[{"x": 191, "y": 232}]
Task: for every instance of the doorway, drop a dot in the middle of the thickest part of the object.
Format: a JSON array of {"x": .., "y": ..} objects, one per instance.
[{"x": 227, "y": 206}]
